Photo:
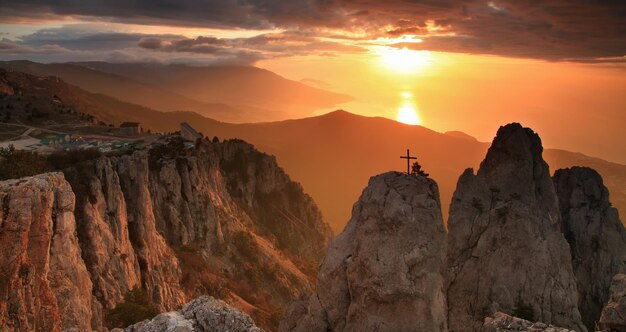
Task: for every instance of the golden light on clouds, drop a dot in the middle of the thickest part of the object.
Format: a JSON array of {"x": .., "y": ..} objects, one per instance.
[{"x": 402, "y": 60}]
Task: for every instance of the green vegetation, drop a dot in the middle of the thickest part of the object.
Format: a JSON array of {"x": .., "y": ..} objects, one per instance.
[
  {"x": 174, "y": 148},
  {"x": 237, "y": 167},
  {"x": 135, "y": 308},
  {"x": 17, "y": 163}
]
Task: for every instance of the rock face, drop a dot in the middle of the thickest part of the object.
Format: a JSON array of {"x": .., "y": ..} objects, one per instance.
[
  {"x": 204, "y": 314},
  {"x": 505, "y": 248},
  {"x": 44, "y": 283},
  {"x": 613, "y": 316},
  {"x": 383, "y": 272},
  {"x": 502, "y": 322},
  {"x": 596, "y": 236},
  {"x": 175, "y": 222}
]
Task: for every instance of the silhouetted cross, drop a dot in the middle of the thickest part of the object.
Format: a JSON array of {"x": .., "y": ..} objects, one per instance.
[{"x": 408, "y": 161}]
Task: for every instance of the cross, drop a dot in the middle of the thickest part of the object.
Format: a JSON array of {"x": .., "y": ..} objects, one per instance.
[{"x": 408, "y": 161}]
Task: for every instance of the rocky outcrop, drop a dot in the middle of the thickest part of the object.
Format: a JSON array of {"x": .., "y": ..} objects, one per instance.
[
  {"x": 613, "y": 316},
  {"x": 383, "y": 272},
  {"x": 204, "y": 314},
  {"x": 502, "y": 322},
  {"x": 44, "y": 284},
  {"x": 596, "y": 236},
  {"x": 169, "y": 224},
  {"x": 505, "y": 248}
]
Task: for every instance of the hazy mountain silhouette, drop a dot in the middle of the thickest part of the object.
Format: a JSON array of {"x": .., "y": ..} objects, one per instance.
[
  {"x": 129, "y": 90},
  {"x": 243, "y": 87},
  {"x": 334, "y": 155}
]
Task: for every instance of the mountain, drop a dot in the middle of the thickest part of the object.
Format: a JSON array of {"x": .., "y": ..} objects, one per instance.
[
  {"x": 317, "y": 151},
  {"x": 505, "y": 245},
  {"x": 118, "y": 237},
  {"x": 521, "y": 247},
  {"x": 243, "y": 87},
  {"x": 128, "y": 90},
  {"x": 383, "y": 272}
]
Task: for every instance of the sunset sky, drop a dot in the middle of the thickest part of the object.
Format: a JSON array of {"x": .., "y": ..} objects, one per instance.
[{"x": 556, "y": 66}]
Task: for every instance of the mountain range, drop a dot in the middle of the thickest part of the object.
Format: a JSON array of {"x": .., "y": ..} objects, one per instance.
[
  {"x": 338, "y": 147},
  {"x": 226, "y": 93}
]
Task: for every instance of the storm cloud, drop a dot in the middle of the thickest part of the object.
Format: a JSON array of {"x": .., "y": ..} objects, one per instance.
[{"x": 558, "y": 30}]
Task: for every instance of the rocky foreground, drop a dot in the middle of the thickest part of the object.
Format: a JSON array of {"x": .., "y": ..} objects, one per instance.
[
  {"x": 120, "y": 238},
  {"x": 524, "y": 252},
  {"x": 153, "y": 230},
  {"x": 204, "y": 314}
]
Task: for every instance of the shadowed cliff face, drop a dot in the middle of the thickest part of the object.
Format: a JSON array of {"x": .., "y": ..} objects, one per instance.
[
  {"x": 383, "y": 272},
  {"x": 175, "y": 222},
  {"x": 505, "y": 248},
  {"x": 596, "y": 236}
]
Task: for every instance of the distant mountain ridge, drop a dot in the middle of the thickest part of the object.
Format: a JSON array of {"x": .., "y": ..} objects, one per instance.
[
  {"x": 232, "y": 94},
  {"x": 241, "y": 86},
  {"x": 338, "y": 147}
]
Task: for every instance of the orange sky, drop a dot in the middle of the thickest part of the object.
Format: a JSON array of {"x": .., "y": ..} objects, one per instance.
[
  {"x": 556, "y": 66},
  {"x": 579, "y": 107}
]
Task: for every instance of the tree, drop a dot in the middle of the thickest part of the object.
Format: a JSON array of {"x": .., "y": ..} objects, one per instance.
[
  {"x": 416, "y": 170},
  {"x": 17, "y": 163}
]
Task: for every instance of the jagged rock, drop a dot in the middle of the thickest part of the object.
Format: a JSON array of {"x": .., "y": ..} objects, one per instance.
[
  {"x": 383, "y": 272},
  {"x": 505, "y": 248},
  {"x": 173, "y": 223},
  {"x": 204, "y": 314},
  {"x": 502, "y": 322},
  {"x": 596, "y": 236},
  {"x": 44, "y": 284},
  {"x": 613, "y": 316}
]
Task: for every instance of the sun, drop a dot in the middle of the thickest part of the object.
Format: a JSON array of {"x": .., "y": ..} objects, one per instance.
[
  {"x": 408, "y": 115},
  {"x": 403, "y": 60}
]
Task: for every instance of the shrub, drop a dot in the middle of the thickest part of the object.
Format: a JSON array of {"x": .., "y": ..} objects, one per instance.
[
  {"x": 17, "y": 163},
  {"x": 135, "y": 308}
]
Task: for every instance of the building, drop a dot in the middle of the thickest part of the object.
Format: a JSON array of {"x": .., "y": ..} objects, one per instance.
[
  {"x": 188, "y": 133},
  {"x": 130, "y": 129}
]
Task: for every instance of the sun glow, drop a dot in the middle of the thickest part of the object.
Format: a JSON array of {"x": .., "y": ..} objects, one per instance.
[
  {"x": 403, "y": 61},
  {"x": 407, "y": 112}
]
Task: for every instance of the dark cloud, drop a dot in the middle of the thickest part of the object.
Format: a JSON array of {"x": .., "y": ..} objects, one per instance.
[
  {"x": 568, "y": 30},
  {"x": 266, "y": 45}
]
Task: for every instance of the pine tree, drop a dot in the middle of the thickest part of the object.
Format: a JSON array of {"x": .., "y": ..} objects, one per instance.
[{"x": 416, "y": 170}]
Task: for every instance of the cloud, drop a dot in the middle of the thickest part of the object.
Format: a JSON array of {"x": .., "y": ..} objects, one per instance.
[
  {"x": 557, "y": 30},
  {"x": 288, "y": 43}
]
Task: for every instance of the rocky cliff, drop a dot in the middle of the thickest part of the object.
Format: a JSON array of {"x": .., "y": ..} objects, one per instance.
[
  {"x": 505, "y": 248},
  {"x": 501, "y": 322},
  {"x": 383, "y": 272},
  {"x": 596, "y": 236},
  {"x": 44, "y": 284},
  {"x": 204, "y": 314},
  {"x": 613, "y": 316},
  {"x": 153, "y": 229}
]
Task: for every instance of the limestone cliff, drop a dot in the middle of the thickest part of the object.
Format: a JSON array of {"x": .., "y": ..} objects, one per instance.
[
  {"x": 596, "y": 236},
  {"x": 44, "y": 284},
  {"x": 174, "y": 222},
  {"x": 505, "y": 248},
  {"x": 383, "y": 272}
]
